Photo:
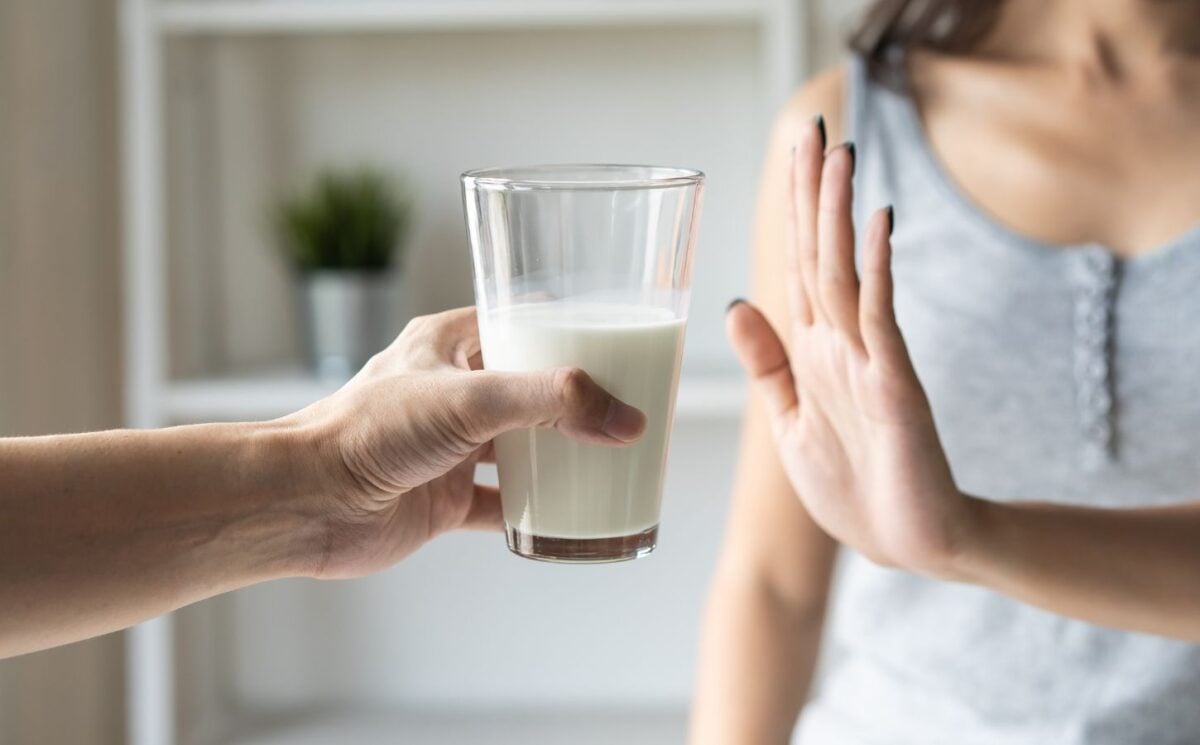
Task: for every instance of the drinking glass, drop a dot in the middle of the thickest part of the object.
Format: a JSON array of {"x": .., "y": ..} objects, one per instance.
[{"x": 585, "y": 266}]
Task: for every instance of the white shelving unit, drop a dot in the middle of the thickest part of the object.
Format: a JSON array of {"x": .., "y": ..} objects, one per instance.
[{"x": 153, "y": 399}]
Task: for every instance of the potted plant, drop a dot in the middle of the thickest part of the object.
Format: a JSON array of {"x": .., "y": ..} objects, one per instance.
[{"x": 343, "y": 235}]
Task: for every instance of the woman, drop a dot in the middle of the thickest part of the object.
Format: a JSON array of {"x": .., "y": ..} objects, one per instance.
[{"x": 1041, "y": 156}]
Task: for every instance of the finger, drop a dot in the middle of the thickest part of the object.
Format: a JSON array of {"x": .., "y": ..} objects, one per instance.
[
  {"x": 877, "y": 316},
  {"x": 566, "y": 399},
  {"x": 837, "y": 283},
  {"x": 764, "y": 358},
  {"x": 486, "y": 512},
  {"x": 797, "y": 297},
  {"x": 450, "y": 337},
  {"x": 807, "y": 161}
]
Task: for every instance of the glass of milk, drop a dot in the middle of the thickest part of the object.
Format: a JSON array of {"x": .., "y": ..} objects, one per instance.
[{"x": 585, "y": 266}]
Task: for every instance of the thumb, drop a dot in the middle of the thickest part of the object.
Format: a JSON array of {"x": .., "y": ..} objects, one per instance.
[
  {"x": 566, "y": 399},
  {"x": 763, "y": 356}
]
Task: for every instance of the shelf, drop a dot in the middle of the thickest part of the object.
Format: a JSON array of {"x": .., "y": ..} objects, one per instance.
[
  {"x": 370, "y": 727},
  {"x": 270, "y": 395},
  {"x": 327, "y": 16},
  {"x": 262, "y": 396}
]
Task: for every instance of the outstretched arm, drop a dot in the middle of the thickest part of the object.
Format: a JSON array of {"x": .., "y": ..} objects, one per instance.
[
  {"x": 100, "y": 531},
  {"x": 856, "y": 436}
]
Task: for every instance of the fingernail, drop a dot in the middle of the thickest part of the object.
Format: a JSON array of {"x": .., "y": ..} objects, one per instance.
[
  {"x": 853, "y": 155},
  {"x": 735, "y": 301},
  {"x": 819, "y": 120},
  {"x": 623, "y": 422},
  {"x": 891, "y": 219}
]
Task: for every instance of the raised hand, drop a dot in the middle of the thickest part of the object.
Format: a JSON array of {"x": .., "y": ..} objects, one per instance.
[{"x": 852, "y": 424}]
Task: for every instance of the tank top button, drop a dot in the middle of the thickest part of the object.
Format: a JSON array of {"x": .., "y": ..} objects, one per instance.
[{"x": 1094, "y": 280}]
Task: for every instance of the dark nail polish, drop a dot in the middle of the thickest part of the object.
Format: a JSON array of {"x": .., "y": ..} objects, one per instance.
[
  {"x": 736, "y": 301},
  {"x": 819, "y": 120},
  {"x": 853, "y": 156},
  {"x": 891, "y": 219}
]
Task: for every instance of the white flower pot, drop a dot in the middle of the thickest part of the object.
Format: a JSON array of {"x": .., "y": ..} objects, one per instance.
[{"x": 346, "y": 319}]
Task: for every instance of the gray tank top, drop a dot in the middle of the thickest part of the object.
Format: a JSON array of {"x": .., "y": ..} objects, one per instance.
[{"x": 1055, "y": 373}]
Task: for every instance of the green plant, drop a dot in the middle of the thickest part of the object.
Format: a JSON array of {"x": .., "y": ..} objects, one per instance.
[{"x": 347, "y": 220}]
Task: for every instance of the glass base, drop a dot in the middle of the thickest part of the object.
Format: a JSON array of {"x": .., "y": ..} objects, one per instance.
[{"x": 582, "y": 550}]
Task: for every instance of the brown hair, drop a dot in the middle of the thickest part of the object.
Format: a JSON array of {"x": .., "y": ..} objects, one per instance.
[{"x": 890, "y": 28}]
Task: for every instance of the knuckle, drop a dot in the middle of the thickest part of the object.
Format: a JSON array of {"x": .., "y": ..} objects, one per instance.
[
  {"x": 829, "y": 291},
  {"x": 424, "y": 340},
  {"x": 416, "y": 326},
  {"x": 583, "y": 402},
  {"x": 415, "y": 334},
  {"x": 873, "y": 315},
  {"x": 377, "y": 365},
  {"x": 572, "y": 385}
]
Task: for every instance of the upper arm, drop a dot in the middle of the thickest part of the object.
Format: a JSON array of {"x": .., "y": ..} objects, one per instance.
[{"x": 771, "y": 538}]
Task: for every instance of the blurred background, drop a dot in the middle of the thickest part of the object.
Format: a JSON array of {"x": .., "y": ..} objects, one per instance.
[{"x": 166, "y": 172}]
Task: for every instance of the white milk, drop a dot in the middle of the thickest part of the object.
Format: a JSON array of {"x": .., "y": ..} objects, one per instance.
[{"x": 553, "y": 486}]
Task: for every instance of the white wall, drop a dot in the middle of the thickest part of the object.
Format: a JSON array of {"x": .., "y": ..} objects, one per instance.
[
  {"x": 832, "y": 21},
  {"x": 431, "y": 106},
  {"x": 251, "y": 118}
]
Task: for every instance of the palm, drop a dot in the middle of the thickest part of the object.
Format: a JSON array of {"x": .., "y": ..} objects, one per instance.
[
  {"x": 864, "y": 431},
  {"x": 390, "y": 526},
  {"x": 852, "y": 424},
  {"x": 433, "y": 508}
]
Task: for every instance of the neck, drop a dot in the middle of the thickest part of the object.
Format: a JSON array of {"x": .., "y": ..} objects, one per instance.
[{"x": 1108, "y": 39}]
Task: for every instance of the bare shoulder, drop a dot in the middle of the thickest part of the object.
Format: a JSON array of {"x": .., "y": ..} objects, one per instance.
[{"x": 824, "y": 94}]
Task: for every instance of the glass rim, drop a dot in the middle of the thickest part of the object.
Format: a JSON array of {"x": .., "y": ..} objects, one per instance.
[{"x": 543, "y": 177}]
